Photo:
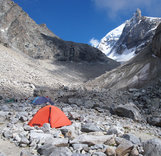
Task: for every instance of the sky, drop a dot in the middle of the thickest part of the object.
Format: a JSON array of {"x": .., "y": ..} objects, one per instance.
[{"x": 86, "y": 21}]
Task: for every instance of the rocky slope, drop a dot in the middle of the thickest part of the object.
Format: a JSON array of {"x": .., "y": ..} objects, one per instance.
[
  {"x": 94, "y": 132},
  {"x": 19, "y": 31},
  {"x": 31, "y": 55},
  {"x": 21, "y": 74},
  {"x": 129, "y": 38}
]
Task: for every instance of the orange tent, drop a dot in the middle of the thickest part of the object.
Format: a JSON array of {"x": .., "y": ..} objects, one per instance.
[{"x": 50, "y": 114}]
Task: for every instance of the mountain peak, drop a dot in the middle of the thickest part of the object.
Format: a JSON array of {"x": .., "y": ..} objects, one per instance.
[
  {"x": 135, "y": 34},
  {"x": 137, "y": 14}
]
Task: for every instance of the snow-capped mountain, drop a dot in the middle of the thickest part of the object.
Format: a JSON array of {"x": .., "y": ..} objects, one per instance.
[
  {"x": 125, "y": 41},
  {"x": 107, "y": 42}
]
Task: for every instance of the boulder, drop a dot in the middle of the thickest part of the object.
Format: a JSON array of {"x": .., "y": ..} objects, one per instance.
[
  {"x": 79, "y": 146},
  {"x": 91, "y": 139},
  {"x": 25, "y": 153},
  {"x": 89, "y": 127},
  {"x": 99, "y": 154},
  {"x": 132, "y": 138},
  {"x": 58, "y": 142},
  {"x": 152, "y": 147},
  {"x": 110, "y": 151},
  {"x": 124, "y": 149},
  {"x": 154, "y": 120},
  {"x": 115, "y": 130},
  {"x": 50, "y": 150},
  {"x": 129, "y": 110}
]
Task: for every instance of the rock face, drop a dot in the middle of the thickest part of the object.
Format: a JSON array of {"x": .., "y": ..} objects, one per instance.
[
  {"x": 19, "y": 31},
  {"x": 156, "y": 48},
  {"x": 136, "y": 35}
]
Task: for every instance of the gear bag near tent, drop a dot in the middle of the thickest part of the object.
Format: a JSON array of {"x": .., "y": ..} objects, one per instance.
[
  {"x": 52, "y": 115},
  {"x": 41, "y": 99}
]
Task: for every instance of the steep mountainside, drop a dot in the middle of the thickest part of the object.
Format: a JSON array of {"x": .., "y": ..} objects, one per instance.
[
  {"x": 19, "y": 31},
  {"x": 131, "y": 37},
  {"x": 21, "y": 74},
  {"x": 139, "y": 71}
]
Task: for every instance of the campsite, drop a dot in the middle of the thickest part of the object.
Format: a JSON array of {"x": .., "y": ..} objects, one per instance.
[
  {"x": 80, "y": 78},
  {"x": 89, "y": 129}
]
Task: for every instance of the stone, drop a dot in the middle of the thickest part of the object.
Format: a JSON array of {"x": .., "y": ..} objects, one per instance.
[
  {"x": 132, "y": 138},
  {"x": 98, "y": 154},
  {"x": 124, "y": 149},
  {"x": 110, "y": 151},
  {"x": 49, "y": 150},
  {"x": 42, "y": 137},
  {"x": 79, "y": 154},
  {"x": 134, "y": 152},
  {"x": 8, "y": 134},
  {"x": 101, "y": 147},
  {"x": 152, "y": 147},
  {"x": 71, "y": 131},
  {"x": 27, "y": 127},
  {"x": 25, "y": 153},
  {"x": 58, "y": 142},
  {"x": 46, "y": 127},
  {"x": 2, "y": 154},
  {"x": 129, "y": 110},
  {"x": 24, "y": 140},
  {"x": 16, "y": 137},
  {"x": 91, "y": 139},
  {"x": 79, "y": 146},
  {"x": 89, "y": 127},
  {"x": 115, "y": 130},
  {"x": 5, "y": 108},
  {"x": 154, "y": 120}
]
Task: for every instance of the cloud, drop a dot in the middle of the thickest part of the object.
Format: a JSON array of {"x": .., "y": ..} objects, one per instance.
[
  {"x": 94, "y": 42},
  {"x": 115, "y": 7}
]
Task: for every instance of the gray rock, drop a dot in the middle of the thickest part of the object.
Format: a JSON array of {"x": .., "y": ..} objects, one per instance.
[
  {"x": 99, "y": 147},
  {"x": 152, "y": 147},
  {"x": 110, "y": 151},
  {"x": 132, "y": 138},
  {"x": 129, "y": 110},
  {"x": 99, "y": 154},
  {"x": 8, "y": 134},
  {"x": 79, "y": 146},
  {"x": 154, "y": 120},
  {"x": 40, "y": 136},
  {"x": 49, "y": 150},
  {"x": 115, "y": 130},
  {"x": 27, "y": 127},
  {"x": 59, "y": 142},
  {"x": 78, "y": 154},
  {"x": 5, "y": 108},
  {"x": 124, "y": 149},
  {"x": 91, "y": 139},
  {"x": 2, "y": 154},
  {"x": 89, "y": 127},
  {"x": 24, "y": 140},
  {"x": 46, "y": 127},
  {"x": 25, "y": 153}
]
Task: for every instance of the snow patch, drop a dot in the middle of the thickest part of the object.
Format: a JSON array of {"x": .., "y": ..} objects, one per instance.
[{"x": 125, "y": 56}]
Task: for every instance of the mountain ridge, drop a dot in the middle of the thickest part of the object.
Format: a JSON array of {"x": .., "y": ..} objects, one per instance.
[
  {"x": 136, "y": 34},
  {"x": 19, "y": 31}
]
